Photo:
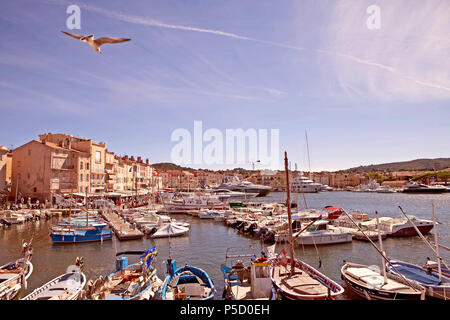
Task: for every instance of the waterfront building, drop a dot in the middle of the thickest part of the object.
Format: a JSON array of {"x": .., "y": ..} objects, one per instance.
[
  {"x": 42, "y": 168},
  {"x": 5, "y": 168}
]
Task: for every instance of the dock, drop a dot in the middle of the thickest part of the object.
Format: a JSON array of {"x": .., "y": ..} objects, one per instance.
[{"x": 122, "y": 229}]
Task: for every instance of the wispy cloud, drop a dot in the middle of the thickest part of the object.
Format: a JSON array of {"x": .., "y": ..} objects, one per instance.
[{"x": 345, "y": 30}]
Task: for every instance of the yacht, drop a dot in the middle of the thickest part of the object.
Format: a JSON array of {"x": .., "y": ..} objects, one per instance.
[
  {"x": 226, "y": 194},
  {"x": 246, "y": 187},
  {"x": 423, "y": 188},
  {"x": 305, "y": 185}
]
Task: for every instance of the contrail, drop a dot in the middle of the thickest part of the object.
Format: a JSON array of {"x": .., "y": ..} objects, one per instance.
[{"x": 155, "y": 23}]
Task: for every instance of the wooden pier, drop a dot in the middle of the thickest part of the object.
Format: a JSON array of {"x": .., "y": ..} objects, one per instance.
[{"x": 122, "y": 229}]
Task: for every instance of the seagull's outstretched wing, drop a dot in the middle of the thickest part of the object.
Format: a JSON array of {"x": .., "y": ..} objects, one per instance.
[
  {"x": 76, "y": 36},
  {"x": 104, "y": 40}
]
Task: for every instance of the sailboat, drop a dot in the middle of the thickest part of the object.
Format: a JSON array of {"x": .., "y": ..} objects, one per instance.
[
  {"x": 14, "y": 275},
  {"x": 69, "y": 232},
  {"x": 375, "y": 284},
  {"x": 293, "y": 278}
]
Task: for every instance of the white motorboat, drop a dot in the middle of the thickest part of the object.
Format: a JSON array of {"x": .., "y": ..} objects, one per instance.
[
  {"x": 305, "y": 185},
  {"x": 319, "y": 233}
]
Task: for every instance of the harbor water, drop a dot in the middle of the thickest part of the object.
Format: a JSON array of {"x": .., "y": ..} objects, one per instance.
[{"x": 208, "y": 240}]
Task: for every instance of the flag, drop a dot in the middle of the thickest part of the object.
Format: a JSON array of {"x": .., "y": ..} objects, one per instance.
[
  {"x": 155, "y": 173},
  {"x": 283, "y": 260},
  {"x": 148, "y": 256}
]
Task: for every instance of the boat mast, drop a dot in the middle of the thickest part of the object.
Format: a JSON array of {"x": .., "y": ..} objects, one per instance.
[
  {"x": 437, "y": 243},
  {"x": 381, "y": 248},
  {"x": 307, "y": 149},
  {"x": 70, "y": 207},
  {"x": 87, "y": 209},
  {"x": 291, "y": 245}
]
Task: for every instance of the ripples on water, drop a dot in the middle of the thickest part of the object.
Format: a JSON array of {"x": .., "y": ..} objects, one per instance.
[{"x": 208, "y": 240}]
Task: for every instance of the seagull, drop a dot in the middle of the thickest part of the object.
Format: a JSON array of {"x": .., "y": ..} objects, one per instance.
[{"x": 95, "y": 44}]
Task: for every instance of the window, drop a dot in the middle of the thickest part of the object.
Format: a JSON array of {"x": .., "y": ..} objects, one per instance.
[
  {"x": 81, "y": 177},
  {"x": 87, "y": 165},
  {"x": 87, "y": 177},
  {"x": 34, "y": 189},
  {"x": 98, "y": 156},
  {"x": 81, "y": 165}
]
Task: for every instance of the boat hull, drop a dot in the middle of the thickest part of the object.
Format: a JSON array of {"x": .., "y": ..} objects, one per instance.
[
  {"x": 410, "y": 231},
  {"x": 71, "y": 238}
]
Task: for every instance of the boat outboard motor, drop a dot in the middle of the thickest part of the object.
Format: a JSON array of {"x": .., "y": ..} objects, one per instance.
[
  {"x": 171, "y": 266},
  {"x": 121, "y": 263}
]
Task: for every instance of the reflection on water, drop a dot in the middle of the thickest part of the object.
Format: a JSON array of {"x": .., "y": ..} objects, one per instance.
[{"x": 208, "y": 240}]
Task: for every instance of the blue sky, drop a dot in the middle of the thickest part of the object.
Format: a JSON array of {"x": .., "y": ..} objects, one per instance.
[{"x": 364, "y": 96}]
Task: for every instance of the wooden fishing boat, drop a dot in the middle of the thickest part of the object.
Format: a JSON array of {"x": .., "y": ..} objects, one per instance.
[
  {"x": 370, "y": 284},
  {"x": 137, "y": 281},
  {"x": 249, "y": 279},
  {"x": 437, "y": 287},
  {"x": 67, "y": 286},
  {"x": 186, "y": 283},
  {"x": 306, "y": 283},
  {"x": 300, "y": 281},
  {"x": 14, "y": 275}
]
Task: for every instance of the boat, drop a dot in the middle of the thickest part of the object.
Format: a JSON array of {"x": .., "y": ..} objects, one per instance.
[
  {"x": 245, "y": 186},
  {"x": 249, "y": 279},
  {"x": 229, "y": 195},
  {"x": 10, "y": 218},
  {"x": 136, "y": 281},
  {"x": 371, "y": 283},
  {"x": 67, "y": 286},
  {"x": 294, "y": 279},
  {"x": 399, "y": 227},
  {"x": 194, "y": 201},
  {"x": 186, "y": 283},
  {"x": 80, "y": 229},
  {"x": 303, "y": 184},
  {"x": 334, "y": 212},
  {"x": 321, "y": 233},
  {"x": 171, "y": 229},
  {"x": 14, "y": 275},
  {"x": 423, "y": 188},
  {"x": 436, "y": 287},
  {"x": 76, "y": 234}
]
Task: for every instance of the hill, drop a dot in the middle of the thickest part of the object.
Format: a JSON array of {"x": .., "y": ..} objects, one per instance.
[
  {"x": 412, "y": 165},
  {"x": 168, "y": 166}
]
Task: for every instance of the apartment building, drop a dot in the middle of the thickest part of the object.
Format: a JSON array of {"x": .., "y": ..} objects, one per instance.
[{"x": 5, "y": 168}]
